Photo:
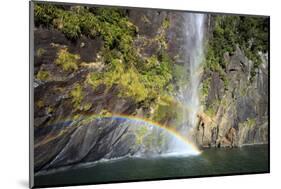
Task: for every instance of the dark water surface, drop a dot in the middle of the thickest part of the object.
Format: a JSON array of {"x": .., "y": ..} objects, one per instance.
[{"x": 248, "y": 159}]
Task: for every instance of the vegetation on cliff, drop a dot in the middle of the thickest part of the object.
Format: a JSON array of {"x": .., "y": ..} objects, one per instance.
[
  {"x": 146, "y": 80},
  {"x": 68, "y": 61},
  {"x": 249, "y": 33}
]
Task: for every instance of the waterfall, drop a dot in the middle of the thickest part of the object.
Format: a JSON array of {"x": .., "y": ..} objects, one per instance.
[
  {"x": 193, "y": 60},
  {"x": 193, "y": 57}
]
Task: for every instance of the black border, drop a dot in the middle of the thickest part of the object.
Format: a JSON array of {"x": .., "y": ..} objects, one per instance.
[{"x": 31, "y": 117}]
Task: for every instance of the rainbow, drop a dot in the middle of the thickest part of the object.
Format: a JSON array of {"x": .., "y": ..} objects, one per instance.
[{"x": 173, "y": 132}]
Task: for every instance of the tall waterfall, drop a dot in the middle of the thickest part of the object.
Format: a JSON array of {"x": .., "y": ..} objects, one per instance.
[
  {"x": 193, "y": 57},
  {"x": 194, "y": 44}
]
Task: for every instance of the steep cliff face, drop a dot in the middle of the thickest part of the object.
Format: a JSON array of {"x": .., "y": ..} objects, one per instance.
[
  {"x": 93, "y": 139},
  {"x": 69, "y": 98},
  {"x": 95, "y": 63},
  {"x": 239, "y": 113},
  {"x": 234, "y": 98}
]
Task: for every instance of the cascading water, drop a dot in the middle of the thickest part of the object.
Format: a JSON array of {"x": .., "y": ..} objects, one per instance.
[
  {"x": 194, "y": 44},
  {"x": 193, "y": 57},
  {"x": 153, "y": 139}
]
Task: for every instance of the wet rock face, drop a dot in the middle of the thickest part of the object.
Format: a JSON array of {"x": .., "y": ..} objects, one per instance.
[
  {"x": 51, "y": 39},
  {"x": 241, "y": 112},
  {"x": 84, "y": 140},
  {"x": 147, "y": 21},
  {"x": 59, "y": 144},
  {"x": 63, "y": 146},
  {"x": 245, "y": 109},
  {"x": 216, "y": 90},
  {"x": 52, "y": 97}
]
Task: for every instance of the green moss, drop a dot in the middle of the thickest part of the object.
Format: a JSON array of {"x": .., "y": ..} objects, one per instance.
[
  {"x": 40, "y": 104},
  {"x": 168, "y": 111},
  {"x": 161, "y": 38},
  {"x": 58, "y": 89},
  {"x": 127, "y": 80},
  {"x": 141, "y": 83},
  {"x": 180, "y": 76},
  {"x": 243, "y": 91},
  {"x": 69, "y": 24},
  {"x": 45, "y": 14},
  {"x": 157, "y": 78},
  {"x": 77, "y": 117},
  {"x": 132, "y": 86},
  {"x": 66, "y": 60},
  {"x": 166, "y": 23},
  {"x": 249, "y": 123},
  {"x": 43, "y": 75},
  {"x": 213, "y": 63},
  {"x": 151, "y": 62},
  {"x": 212, "y": 60},
  {"x": 40, "y": 52},
  {"x": 211, "y": 110},
  {"x": 105, "y": 112},
  {"x": 77, "y": 95},
  {"x": 86, "y": 106},
  {"x": 205, "y": 87},
  {"x": 50, "y": 109}
]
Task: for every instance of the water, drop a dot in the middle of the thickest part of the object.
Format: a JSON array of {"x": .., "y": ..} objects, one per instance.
[
  {"x": 188, "y": 93},
  {"x": 195, "y": 33},
  {"x": 248, "y": 159},
  {"x": 194, "y": 54}
]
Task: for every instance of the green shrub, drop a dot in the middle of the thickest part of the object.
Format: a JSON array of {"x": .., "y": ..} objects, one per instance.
[
  {"x": 66, "y": 60},
  {"x": 168, "y": 111},
  {"x": 248, "y": 32},
  {"x": 77, "y": 95},
  {"x": 86, "y": 106},
  {"x": 205, "y": 87},
  {"x": 40, "y": 104},
  {"x": 110, "y": 23},
  {"x": 43, "y": 75},
  {"x": 211, "y": 110},
  {"x": 166, "y": 23},
  {"x": 180, "y": 76},
  {"x": 128, "y": 81},
  {"x": 70, "y": 24},
  {"x": 45, "y": 14},
  {"x": 141, "y": 82},
  {"x": 136, "y": 77},
  {"x": 250, "y": 122},
  {"x": 40, "y": 52}
]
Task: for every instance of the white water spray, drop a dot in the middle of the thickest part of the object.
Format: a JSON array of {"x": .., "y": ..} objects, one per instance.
[
  {"x": 195, "y": 35},
  {"x": 189, "y": 92},
  {"x": 193, "y": 57}
]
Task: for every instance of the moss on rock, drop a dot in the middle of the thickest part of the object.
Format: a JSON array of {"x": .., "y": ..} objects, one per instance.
[{"x": 67, "y": 61}]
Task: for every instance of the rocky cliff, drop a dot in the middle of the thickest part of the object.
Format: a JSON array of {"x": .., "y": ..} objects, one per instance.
[
  {"x": 237, "y": 115},
  {"x": 93, "y": 63},
  {"x": 234, "y": 93}
]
